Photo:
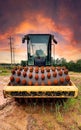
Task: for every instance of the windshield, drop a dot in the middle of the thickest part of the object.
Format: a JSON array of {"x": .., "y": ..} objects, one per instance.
[
  {"x": 38, "y": 50},
  {"x": 37, "y": 46}
]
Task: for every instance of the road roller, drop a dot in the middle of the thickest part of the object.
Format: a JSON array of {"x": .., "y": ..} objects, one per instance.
[{"x": 40, "y": 78}]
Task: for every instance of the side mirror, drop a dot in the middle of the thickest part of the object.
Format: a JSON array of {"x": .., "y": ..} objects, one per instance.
[
  {"x": 23, "y": 40},
  {"x": 54, "y": 41}
]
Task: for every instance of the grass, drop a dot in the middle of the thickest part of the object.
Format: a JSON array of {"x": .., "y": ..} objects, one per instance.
[
  {"x": 69, "y": 104},
  {"x": 48, "y": 122},
  {"x": 59, "y": 116},
  {"x": 5, "y": 71},
  {"x": 72, "y": 127},
  {"x": 50, "y": 125},
  {"x": 77, "y": 81}
]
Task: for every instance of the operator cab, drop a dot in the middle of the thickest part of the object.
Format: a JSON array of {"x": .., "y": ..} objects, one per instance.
[{"x": 39, "y": 49}]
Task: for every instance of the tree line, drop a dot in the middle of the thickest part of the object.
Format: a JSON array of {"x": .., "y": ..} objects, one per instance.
[{"x": 71, "y": 65}]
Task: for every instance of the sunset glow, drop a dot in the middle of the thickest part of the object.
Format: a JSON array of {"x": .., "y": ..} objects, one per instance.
[{"x": 60, "y": 18}]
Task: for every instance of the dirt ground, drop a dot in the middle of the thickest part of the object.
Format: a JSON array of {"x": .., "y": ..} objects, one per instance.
[{"x": 14, "y": 116}]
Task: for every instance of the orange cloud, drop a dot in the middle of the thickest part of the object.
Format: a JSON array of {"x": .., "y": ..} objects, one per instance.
[
  {"x": 4, "y": 49},
  {"x": 43, "y": 24},
  {"x": 67, "y": 51},
  {"x": 46, "y": 25}
]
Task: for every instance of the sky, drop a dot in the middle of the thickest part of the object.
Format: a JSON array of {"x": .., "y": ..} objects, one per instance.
[{"x": 62, "y": 18}]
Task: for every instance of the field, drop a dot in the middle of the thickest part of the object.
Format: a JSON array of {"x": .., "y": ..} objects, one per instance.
[
  {"x": 4, "y": 71},
  {"x": 55, "y": 116}
]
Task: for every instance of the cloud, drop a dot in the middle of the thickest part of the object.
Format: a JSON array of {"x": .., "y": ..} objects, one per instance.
[
  {"x": 61, "y": 18},
  {"x": 67, "y": 51}
]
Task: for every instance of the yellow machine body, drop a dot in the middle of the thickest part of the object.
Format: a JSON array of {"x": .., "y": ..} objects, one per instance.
[{"x": 68, "y": 91}]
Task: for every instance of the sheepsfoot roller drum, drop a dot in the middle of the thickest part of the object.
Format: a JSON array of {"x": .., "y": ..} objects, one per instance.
[
  {"x": 39, "y": 79},
  {"x": 40, "y": 82}
]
